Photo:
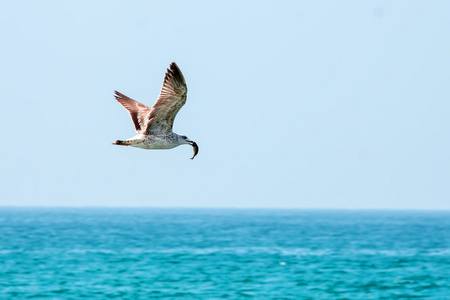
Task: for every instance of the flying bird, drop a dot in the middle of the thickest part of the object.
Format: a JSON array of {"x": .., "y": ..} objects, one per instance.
[{"x": 154, "y": 124}]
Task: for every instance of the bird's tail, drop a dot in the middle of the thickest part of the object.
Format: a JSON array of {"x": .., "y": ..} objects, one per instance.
[{"x": 119, "y": 142}]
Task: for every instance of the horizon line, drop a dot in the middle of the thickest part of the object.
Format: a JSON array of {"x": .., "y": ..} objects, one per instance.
[{"x": 221, "y": 207}]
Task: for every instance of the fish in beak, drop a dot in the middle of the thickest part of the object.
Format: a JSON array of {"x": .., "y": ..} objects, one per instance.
[{"x": 194, "y": 145}]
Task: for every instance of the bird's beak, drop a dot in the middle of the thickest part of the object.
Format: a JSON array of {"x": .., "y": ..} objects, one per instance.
[{"x": 194, "y": 145}]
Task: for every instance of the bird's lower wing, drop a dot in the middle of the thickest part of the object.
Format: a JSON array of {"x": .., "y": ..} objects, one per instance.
[{"x": 139, "y": 112}]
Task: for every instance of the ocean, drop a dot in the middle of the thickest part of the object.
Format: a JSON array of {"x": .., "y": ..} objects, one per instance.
[{"x": 143, "y": 253}]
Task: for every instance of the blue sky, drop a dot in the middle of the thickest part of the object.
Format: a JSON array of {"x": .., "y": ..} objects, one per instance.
[{"x": 303, "y": 104}]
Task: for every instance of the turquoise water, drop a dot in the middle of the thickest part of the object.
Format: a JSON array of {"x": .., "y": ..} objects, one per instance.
[{"x": 231, "y": 254}]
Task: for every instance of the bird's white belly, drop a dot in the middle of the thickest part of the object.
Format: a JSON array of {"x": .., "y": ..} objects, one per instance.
[{"x": 154, "y": 143}]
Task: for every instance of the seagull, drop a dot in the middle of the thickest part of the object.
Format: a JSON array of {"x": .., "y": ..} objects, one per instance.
[{"x": 154, "y": 125}]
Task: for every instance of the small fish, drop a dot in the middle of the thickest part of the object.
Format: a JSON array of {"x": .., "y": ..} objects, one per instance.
[{"x": 194, "y": 145}]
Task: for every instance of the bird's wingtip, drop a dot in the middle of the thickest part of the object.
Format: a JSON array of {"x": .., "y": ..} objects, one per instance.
[{"x": 174, "y": 66}]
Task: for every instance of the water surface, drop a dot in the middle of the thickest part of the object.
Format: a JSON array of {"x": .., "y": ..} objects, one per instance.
[{"x": 75, "y": 253}]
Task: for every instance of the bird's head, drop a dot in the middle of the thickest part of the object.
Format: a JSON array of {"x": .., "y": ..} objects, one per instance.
[{"x": 192, "y": 143}]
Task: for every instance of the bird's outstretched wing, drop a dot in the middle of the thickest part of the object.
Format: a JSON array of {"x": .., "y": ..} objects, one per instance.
[
  {"x": 139, "y": 112},
  {"x": 169, "y": 102}
]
